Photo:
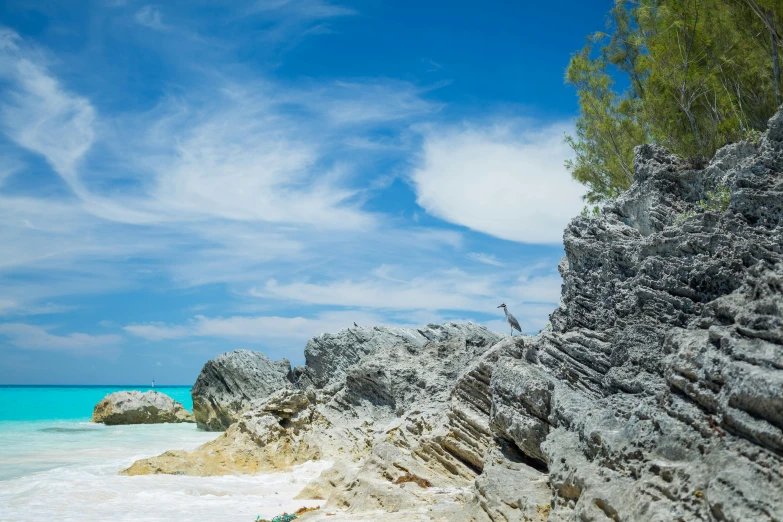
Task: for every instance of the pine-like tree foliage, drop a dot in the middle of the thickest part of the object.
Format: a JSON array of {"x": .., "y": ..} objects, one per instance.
[{"x": 700, "y": 74}]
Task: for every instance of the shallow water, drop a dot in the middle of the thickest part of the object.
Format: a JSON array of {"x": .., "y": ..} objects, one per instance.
[
  {"x": 67, "y": 469},
  {"x": 29, "y": 403}
]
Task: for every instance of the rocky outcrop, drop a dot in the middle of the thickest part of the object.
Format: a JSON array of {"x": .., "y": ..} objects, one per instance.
[
  {"x": 285, "y": 431},
  {"x": 135, "y": 407},
  {"x": 328, "y": 356},
  {"x": 342, "y": 423},
  {"x": 655, "y": 395},
  {"x": 229, "y": 383}
]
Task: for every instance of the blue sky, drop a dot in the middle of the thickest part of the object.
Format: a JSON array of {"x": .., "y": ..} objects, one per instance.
[{"x": 183, "y": 179}]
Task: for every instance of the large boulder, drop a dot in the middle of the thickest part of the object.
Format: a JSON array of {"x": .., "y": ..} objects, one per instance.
[
  {"x": 135, "y": 407},
  {"x": 231, "y": 382}
]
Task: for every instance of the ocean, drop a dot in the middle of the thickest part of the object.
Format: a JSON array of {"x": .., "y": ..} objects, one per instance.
[{"x": 57, "y": 465}]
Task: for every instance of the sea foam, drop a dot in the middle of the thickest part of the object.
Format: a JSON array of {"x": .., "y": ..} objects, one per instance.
[{"x": 65, "y": 470}]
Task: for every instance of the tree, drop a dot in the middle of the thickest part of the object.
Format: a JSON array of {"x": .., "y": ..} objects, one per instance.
[
  {"x": 606, "y": 131},
  {"x": 701, "y": 73}
]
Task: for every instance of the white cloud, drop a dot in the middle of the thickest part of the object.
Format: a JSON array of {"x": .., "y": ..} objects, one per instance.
[
  {"x": 7, "y": 305},
  {"x": 446, "y": 290},
  {"x": 31, "y": 337},
  {"x": 371, "y": 101},
  {"x": 293, "y": 332},
  {"x": 157, "y": 331},
  {"x": 506, "y": 180},
  {"x": 242, "y": 159},
  {"x": 538, "y": 289},
  {"x": 257, "y": 329},
  {"x": 452, "y": 290}
]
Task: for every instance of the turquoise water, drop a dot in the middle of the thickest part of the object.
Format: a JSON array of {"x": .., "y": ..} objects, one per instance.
[
  {"x": 56, "y": 465},
  {"x": 31, "y": 403}
]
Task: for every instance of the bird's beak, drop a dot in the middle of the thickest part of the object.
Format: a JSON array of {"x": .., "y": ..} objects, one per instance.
[{"x": 501, "y": 306}]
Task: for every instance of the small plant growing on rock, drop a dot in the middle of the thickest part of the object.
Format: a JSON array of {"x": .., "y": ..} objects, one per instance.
[
  {"x": 718, "y": 200},
  {"x": 752, "y": 135},
  {"x": 590, "y": 212}
]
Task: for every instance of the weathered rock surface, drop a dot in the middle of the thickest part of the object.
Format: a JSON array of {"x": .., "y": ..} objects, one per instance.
[
  {"x": 293, "y": 426},
  {"x": 135, "y": 407},
  {"x": 656, "y": 395},
  {"x": 328, "y": 356},
  {"x": 229, "y": 383}
]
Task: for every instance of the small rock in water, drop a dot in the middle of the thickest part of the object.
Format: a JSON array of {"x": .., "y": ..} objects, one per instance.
[{"x": 135, "y": 407}]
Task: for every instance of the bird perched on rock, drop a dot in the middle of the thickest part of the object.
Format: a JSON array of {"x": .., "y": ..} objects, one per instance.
[
  {"x": 512, "y": 321},
  {"x": 356, "y": 325}
]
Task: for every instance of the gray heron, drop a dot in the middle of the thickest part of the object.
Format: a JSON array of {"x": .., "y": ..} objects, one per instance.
[{"x": 512, "y": 321}]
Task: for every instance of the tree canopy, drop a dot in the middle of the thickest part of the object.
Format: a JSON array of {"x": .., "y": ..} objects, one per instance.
[{"x": 698, "y": 74}]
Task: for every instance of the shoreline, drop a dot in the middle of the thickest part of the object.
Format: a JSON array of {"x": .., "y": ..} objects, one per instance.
[{"x": 81, "y": 480}]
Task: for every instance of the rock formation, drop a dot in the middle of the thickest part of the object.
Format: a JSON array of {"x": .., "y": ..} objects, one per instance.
[
  {"x": 328, "y": 356},
  {"x": 656, "y": 395},
  {"x": 135, "y": 407},
  {"x": 229, "y": 383}
]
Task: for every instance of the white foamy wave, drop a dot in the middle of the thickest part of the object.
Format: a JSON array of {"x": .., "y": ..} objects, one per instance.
[{"x": 74, "y": 478}]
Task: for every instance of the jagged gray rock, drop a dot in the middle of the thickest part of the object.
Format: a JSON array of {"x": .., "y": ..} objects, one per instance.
[
  {"x": 328, "y": 356},
  {"x": 231, "y": 382},
  {"x": 135, "y": 407},
  {"x": 657, "y": 393}
]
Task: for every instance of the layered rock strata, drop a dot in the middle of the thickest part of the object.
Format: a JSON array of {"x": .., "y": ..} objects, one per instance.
[
  {"x": 229, "y": 383},
  {"x": 655, "y": 395},
  {"x": 135, "y": 407}
]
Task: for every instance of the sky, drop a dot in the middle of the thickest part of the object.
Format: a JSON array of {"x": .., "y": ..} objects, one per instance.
[{"x": 182, "y": 179}]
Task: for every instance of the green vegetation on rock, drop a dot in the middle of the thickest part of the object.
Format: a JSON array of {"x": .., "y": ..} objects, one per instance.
[
  {"x": 700, "y": 74},
  {"x": 718, "y": 200}
]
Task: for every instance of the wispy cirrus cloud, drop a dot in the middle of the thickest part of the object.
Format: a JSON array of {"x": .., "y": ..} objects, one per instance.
[
  {"x": 314, "y": 9},
  {"x": 448, "y": 290},
  {"x": 258, "y": 329},
  {"x": 32, "y": 337},
  {"x": 288, "y": 22},
  {"x": 262, "y": 189},
  {"x": 38, "y": 113},
  {"x": 237, "y": 175},
  {"x": 487, "y": 259}
]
